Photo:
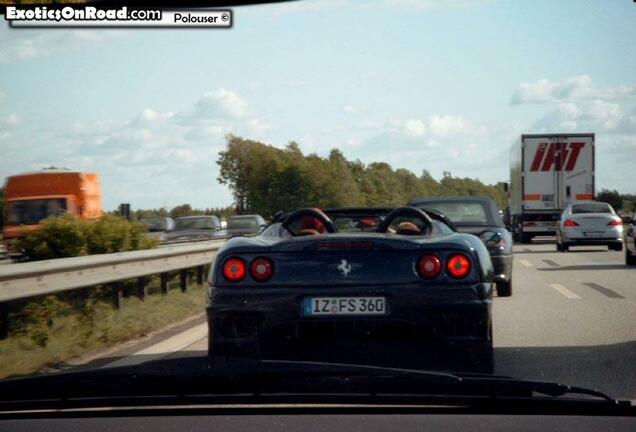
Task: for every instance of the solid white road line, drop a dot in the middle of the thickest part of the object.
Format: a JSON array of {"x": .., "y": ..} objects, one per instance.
[
  {"x": 164, "y": 348},
  {"x": 566, "y": 292},
  {"x": 526, "y": 263}
]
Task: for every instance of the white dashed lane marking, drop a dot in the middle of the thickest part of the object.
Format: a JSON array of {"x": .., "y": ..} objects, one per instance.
[
  {"x": 564, "y": 291},
  {"x": 525, "y": 263}
]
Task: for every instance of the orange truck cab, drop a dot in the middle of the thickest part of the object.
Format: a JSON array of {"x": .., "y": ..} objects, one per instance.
[{"x": 32, "y": 197}]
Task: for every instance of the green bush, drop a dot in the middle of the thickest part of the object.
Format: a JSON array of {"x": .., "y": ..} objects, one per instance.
[
  {"x": 112, "y": 233},
  {"x": 69, "y": 236},
  {"x": 57, "y": 237}
]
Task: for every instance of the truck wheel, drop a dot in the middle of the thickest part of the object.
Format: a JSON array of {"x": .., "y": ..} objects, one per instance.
[
  {"x": 504, "y": 288},
  {"x": 629, "y": 258},
  {"x": 526, "y": 238}
]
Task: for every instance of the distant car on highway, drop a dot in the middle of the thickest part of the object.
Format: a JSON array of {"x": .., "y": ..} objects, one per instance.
[
  {"x": 589, "y": 223},
  {"x": 630, "y": 242},
  {"x": 245, "y": 224},
  {"x": 158, "y": 227},
  {"x": 195, "y": 228},
  {"x": 385, "y": 285},
  {"x": 479, "y": 216}
]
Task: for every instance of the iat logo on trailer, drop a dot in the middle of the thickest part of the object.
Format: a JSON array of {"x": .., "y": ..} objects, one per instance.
[{"x": 556, "y": 156}]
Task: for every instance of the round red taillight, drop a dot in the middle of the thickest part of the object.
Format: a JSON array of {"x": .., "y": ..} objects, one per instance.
[
  {"x": 234, "y": 269},
  {"x": 429, "y": 266},
  {"x": 262, "y": 269},
  {"x": 458, "y": 266}
]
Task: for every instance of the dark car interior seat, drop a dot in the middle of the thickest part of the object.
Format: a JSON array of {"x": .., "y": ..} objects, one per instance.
[
  {"x": 410, "y": 221},
  {"x": 408, "y": 228},
  {"x": 308, "y": 221}
]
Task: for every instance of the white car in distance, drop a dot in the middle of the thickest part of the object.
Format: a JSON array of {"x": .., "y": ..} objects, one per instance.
[{"x": 589, "y": 223}]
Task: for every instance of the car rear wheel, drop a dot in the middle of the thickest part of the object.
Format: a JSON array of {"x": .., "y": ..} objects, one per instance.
[
  {"x": 504, "y": 288},
  {"x": 526, "y": 238},
  {"x": 629, "y": 258},
  {"x": 616, "y": 247}
]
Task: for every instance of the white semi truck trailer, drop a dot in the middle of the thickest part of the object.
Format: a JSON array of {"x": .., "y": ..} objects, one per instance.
[{"x": 548, "y": 172}]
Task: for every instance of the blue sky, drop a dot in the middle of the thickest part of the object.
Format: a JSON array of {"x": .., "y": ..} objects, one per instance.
[{"x": 442, "y": 85}]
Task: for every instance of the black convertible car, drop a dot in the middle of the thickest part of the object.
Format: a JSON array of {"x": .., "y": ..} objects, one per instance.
[
  {"x": 378, "y": 286},
  {"x": 479, "y": 216}
]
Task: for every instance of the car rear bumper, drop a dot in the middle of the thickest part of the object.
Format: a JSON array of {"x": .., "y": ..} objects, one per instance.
[
  {"x": 269, "y": 323},
  {"x": 593, "y": 241},
  {"x": 502, "y": 267},
  {"x": 581, "y": 236}
]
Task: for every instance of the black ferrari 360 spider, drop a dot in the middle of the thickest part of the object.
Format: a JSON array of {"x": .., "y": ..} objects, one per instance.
[{"x": 396, "y": 287}]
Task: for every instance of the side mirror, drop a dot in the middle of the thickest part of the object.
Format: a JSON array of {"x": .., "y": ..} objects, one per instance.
[{"x": 491, "y": 238}]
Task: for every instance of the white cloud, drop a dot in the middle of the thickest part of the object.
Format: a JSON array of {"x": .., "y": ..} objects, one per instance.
[
  {"x": 350, "y": 109},
  {"x": 432, "y": 127},
  {"x": 13, "y": 120},
  {"x": 594, "y": 116},
  {"x": 151, "y": 118},
  {"x": 436, "y": 143},
  {"x": 572, "y": 89},
  {"x": 221, "y": 103},
  {"x": 156, "y": 158},
  {"x": 407, "y": 126},
  {"x": 447, "y": 125},
  {"x": 32, "y": 44},
  {"x": 8, "y": 125}
]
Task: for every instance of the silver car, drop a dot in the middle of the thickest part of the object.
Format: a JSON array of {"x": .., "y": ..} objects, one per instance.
[{"x": 589, "y": 223}]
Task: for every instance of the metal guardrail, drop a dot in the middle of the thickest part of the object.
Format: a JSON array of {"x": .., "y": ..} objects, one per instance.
[
  {"x": 51, "y": 276},
  {"x": 4, "y": 256},
  {"x": 166, "y": 243},
  {"x": 19, "y": 281}
]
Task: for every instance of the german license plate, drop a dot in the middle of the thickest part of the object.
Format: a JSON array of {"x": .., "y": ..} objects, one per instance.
[
  {"x": 593, "y": 233},
  {"x": 314, "y": 306}
]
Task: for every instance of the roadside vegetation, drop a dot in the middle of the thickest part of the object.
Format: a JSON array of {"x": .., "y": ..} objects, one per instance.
[
  {"x": 69, "y": 236},
  {"x": 48, "y": 331},
  {"x": 266, "y": 179}
]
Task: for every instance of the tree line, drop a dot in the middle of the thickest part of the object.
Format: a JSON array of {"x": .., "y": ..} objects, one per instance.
[{"x": 265, "y": 179}]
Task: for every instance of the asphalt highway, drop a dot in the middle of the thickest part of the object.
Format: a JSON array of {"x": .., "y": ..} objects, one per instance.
[{"x": 571, "y": 319}]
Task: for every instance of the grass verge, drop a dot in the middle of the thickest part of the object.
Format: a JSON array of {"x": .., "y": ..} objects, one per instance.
[{"x": 79, "y": 327}]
